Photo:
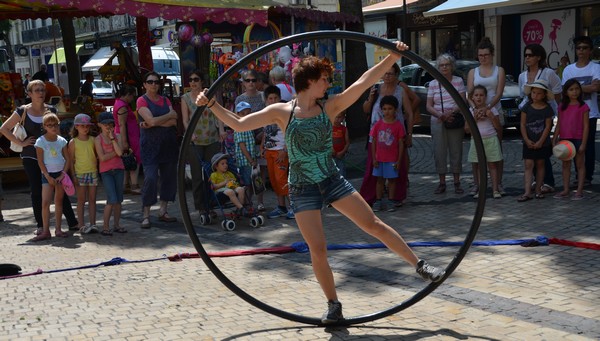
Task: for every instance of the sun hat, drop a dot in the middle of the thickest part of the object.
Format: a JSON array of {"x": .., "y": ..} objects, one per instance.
[
  {"x": 242, "y": 106},
  {"x": 564, "y": 150},
  {"x": 82, "y": 120},
  {"x": 106, "y": 118},
  {"x": 216, "y": 158},
  {"x": 540, "y": 84}
]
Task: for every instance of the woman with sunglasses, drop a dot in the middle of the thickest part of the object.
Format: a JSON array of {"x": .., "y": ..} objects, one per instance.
[
  {"x": 159, "y": 149},
  {"x": 207, "y": 137},
  {"x": 536, "y": 68},
  {"x": 254, "y": 97},
  {"x": 34, "y": 112},
  {"x": 314, "y": 180}
]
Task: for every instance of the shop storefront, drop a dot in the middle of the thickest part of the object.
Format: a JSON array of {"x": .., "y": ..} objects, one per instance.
[{"x": 552, "y": 24}]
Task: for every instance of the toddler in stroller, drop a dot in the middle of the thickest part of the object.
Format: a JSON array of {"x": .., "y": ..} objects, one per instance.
[{"x": 224, "y": 183}]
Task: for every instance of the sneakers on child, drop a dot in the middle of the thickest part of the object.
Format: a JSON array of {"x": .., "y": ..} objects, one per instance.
[
  {"x": 377, "y": 206},
  {"x": 474, "y": 190},
  {"x": 428, "y": 272},
  {"x": 333, "y": 313},
  {"x": 276, "y": 213},
  {"x": 290, "y": 214},
  {"x": 94, "y": 229},
  {"x": 85, "y": 229}
]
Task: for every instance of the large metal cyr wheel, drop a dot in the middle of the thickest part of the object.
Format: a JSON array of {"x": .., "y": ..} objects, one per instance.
[{"x": 340, "y": 35}]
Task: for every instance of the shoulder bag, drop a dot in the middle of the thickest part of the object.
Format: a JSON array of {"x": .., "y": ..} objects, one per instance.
[
  {"x": 458, "y": 121},
  {"x": 20, "y": 133}
]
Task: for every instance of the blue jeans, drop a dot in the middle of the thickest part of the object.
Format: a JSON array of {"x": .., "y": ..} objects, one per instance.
[
  {"x": 590, "y": 151},
  {"x": 168, "y": 182},
  {"x": 307, "y": 197},
  {"x": 246, "y": 175},
  {"x": 34, "y": 175},
  {"x": 113, "y": 185}
]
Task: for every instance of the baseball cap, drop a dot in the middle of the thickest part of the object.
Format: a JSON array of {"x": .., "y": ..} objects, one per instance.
[
  {"x": 82, "y": 120},
  {"x": 242, "y": 106},
  {"x": 106, "y": 118}
]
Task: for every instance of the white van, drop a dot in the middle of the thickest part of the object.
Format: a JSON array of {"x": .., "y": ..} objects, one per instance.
[{"x": 165, "y": 61}]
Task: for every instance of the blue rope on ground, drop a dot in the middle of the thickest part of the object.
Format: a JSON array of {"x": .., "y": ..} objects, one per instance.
[
  {"x": 302, "y": 247},
  {"x": 114, "y": 261}
]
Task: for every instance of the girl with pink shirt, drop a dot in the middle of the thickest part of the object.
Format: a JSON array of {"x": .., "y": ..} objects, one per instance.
[
  {"x": 573, "y": 125},
  {"x": 112, "y": 171}
]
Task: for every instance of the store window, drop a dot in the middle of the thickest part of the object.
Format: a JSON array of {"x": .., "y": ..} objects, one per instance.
[{"x": 423, "y": 43}]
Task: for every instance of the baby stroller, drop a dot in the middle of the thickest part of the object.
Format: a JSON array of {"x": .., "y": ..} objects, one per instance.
[{"x": 226, "y": 210}]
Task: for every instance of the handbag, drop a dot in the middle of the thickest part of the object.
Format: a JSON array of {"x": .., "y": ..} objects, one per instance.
[
  {"x": 20, "y": 133},
  {"x": 129, "y": 160},
  {"x": 458, "y": 121}
]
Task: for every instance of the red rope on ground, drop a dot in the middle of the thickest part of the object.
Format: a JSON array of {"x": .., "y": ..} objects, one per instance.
[
  {"x": 592, "y": 246},
  {"x": 233, "y": 253}
]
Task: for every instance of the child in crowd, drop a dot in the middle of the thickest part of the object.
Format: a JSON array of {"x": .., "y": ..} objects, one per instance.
[
  {"x": 53, "y": 159},
  {"x": 341, "y": 141},
  {"x": 386, "y": 150},
  {"x": 112, "y": 171},
  {"x": 536, "y": 122},
  {"x": 245, "y": 149},
  {"x": 490, "y": 128},
  {"x": 224, "y": 181},
  {"x": 277, "y": 158},
  {"x": 573, "y": 125},
  {"x": 84, "y": 170}
]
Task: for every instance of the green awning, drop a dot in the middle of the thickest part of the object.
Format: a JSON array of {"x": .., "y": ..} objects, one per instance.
[{"x": 58, "y": 57}]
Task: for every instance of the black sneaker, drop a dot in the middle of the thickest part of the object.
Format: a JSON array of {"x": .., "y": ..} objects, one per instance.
[
  {"x": 428, "y": 272},
  {"x": 333, "y": 313}
]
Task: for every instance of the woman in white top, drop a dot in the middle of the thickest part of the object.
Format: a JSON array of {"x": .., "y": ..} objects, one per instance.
[{"x": 493, "y": 78}]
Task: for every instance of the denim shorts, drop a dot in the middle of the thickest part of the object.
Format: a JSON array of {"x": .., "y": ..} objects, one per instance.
[
  {"x": 52, "y": 175},
  {"x": 305, "y": 197}
]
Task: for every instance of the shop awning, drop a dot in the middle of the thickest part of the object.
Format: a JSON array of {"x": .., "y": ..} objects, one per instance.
[
  {"x": 58, "y": 57},
  {"x": 458, "y": 6},
  {"x": 98, "y": 59},
  {"x": 386, "y": 6},
  {"x": 231, "y": 11}
]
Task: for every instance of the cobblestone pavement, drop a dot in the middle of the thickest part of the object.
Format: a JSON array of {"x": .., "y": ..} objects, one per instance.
[{"x": 504, "y": 292}]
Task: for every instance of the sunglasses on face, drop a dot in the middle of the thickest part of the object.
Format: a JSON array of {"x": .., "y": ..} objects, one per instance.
[
  {"x": 39, "y": 91},
  {"x": 152, "y": 81},
  {"x": 51, "y": 125},
  {"x": 250, "y": 80},
  {"x": 194, "y": 79},
  {"x": 528, "y": 55}
]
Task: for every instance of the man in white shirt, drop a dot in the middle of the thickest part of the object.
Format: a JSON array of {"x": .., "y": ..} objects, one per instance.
[{"x": 588, "y": 74}]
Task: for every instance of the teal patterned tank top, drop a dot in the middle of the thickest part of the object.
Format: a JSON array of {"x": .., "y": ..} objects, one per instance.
[{"x": 309, "y": 144}]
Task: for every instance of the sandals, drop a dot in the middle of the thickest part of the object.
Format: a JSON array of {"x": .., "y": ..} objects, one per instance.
[
  {"x": 166, "y": 218},
  {"x": 145, "y": 223},
  {"x": 106, "y": 233},
  {"x": 135, "y": 189},
  {"x": 61, "y": 234},
  {"x": 41, "y": 237},
  {"x": 440, "y": 189},
  {"x": 547, "y": 189},
  {"x": 539, "y": 196},
  {"x": 561, "y": 196},
  {"x": 524, "y": 198},
  {"x": 120, "y": 230},
  {"x": 458, "y": 189}
]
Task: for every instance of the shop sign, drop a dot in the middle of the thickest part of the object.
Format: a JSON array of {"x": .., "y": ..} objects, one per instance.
[
  {"x": 417, "y": 20},
  {"x": 35, "y": 52},
  {"x": 552, "y": 30},
  {"x": 89, "y": 45}
]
